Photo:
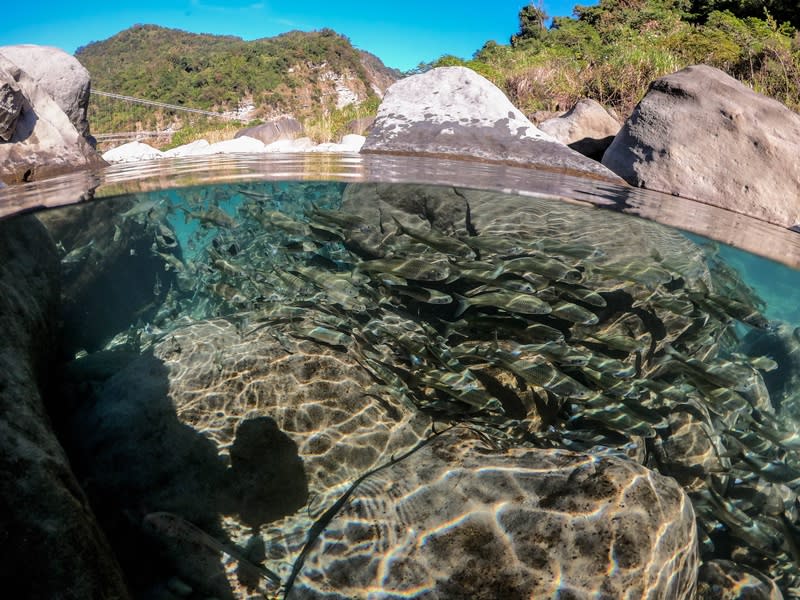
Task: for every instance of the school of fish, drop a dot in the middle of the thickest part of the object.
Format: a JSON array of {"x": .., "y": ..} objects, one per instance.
[{"x": 539, "y": 342}]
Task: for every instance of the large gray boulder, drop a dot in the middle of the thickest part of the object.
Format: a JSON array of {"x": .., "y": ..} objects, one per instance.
[
  {"x": 587, "y": 128},
  {"x": 283, "y": 128},
  {"x": 461, "y": 520},
  {"x": 10, "y": 105},
  {"x": 53, "y": 547},
  {"x": 43, "y": 142},
  {"x": 456, "y": 113},
  {"x": 701, "y": 134},
  {"x": 60, "y": 75}
]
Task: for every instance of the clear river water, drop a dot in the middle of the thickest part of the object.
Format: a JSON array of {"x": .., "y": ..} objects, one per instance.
[{"x": 260, "y": 359}]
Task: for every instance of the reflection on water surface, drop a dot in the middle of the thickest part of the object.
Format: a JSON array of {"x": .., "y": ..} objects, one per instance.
[{"x": 261, "y": 377}]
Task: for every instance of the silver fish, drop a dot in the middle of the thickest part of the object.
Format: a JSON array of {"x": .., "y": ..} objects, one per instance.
[
  {"x": 409, "y": 268},
  {"x": 510, "y": 301}
]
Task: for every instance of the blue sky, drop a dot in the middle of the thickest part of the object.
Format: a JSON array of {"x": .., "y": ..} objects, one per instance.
[{"x": 402, "y": 32}]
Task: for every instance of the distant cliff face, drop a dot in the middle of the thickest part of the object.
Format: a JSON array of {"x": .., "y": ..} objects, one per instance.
[{"x": 300, "y": 73}]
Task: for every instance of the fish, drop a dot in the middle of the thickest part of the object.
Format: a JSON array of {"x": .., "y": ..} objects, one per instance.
[
  {"x": 740, "y": 311},
  {"x": 495, "y": 245},
  {"x": 462, "y": 386},
  {"x": 416, "y": 269},
  {"x": 615, "y": 367},
  {"x": 573, "y": 313},
  {"x": 570, "y": 249},
  {"x": 762, "y": 363},
  {"x": 324, "y": 335},
  {"x": 228, "y": 267},
  {"x": 170, "y": 261},
  {"x": 616, "y": 416},
  {"x": 214, "y": 216},
  {"x": 304, "y": 246},
  {"x": 581, "y": 294},
  {"x": 141, "y": 207},
  {"x": 759, "y": 535},
  {"x": 78, "y": 254},
  {"x": 543, "y": 265},
  {"x": 336, "y": 287},
  {"x": 274, "y": 218},
  {"x": 674, "y": 304},
  {"x": 537, "y": 371},
  {"x": 426, "y": 295},
  {"x": 544, "y": 332},
  {"x": 648, "y": 275},
  {"x": 620, "y": 342},
  {"x": 177, "y": 527},
  {"x": 340, "y": 219},
  {"x": 526, "y": 304},
  {"x": 438, "y": 241}
]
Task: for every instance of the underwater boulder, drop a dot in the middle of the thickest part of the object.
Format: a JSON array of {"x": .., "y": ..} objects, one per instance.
[
  {"x": 235, "y": 434},
  {"x": 461, "y": 519},
  {"x": 53, "y": 547},
  {"x": 726, "y": 579}
]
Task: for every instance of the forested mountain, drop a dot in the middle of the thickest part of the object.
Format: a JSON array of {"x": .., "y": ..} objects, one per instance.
[
  {"x": 302, "y": 73},
  {"x": 611, "y": 51}
]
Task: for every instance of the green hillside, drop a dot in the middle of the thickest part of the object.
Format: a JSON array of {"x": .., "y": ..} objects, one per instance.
[
  {"x": 289, "y": 73},
  {"x": 613, "y": 50}
]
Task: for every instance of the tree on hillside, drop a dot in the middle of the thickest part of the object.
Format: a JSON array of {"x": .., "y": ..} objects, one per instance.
[
  {"x": 532, "y": 20},
  {"x": 783, "y": 11}
]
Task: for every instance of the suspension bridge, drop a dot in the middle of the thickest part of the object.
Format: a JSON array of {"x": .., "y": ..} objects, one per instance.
[{"x": 118, "y": 118}]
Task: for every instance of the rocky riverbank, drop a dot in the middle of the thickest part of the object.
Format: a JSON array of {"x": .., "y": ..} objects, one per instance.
[{"x": 697, "y": 134}]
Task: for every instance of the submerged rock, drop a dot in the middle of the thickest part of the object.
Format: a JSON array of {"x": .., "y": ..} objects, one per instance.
[
  {"x": 725, "y": 580},
  {"x": 240, "y": 435},
  {"x": 265, "y": 435},
  {"x": 53, "y": 547},
  {"x": 459, "y": 519},
  {"x": 701, "y": 134},
  {"x": 454, "y": 112}
]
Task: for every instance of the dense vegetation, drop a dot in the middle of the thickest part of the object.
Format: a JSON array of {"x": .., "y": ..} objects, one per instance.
[
  {"x": 284, "y": 74},
  {"x": 613, "y": 50}
]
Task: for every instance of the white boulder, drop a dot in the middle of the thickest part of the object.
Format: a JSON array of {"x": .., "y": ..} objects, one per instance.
[
  {"x": 303, "y": 144},
  {"x": 240, "y": 144},
  {"x": 353, "y": 142},
  {"x": 191, "y": 149},
  {"x": 454, "y": 112},
  {"x": 132, "y": 151}
]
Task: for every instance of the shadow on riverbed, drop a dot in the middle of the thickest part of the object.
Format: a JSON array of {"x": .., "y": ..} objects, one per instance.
[{"x": 135, "y": 458}]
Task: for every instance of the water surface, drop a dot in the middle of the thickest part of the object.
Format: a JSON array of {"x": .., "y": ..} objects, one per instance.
[{"x": 246, "y": 342}]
